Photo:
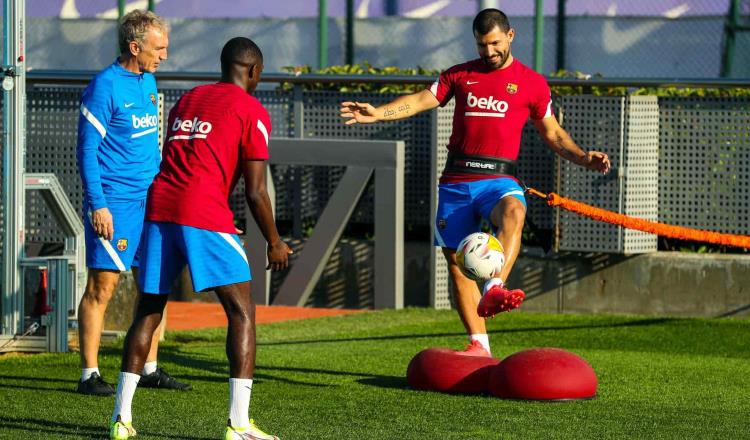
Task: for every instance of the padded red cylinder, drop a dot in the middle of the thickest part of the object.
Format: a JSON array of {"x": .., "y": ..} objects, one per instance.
[
  {"x": 442, "y": 369},
  {"x": 543, "y": 374}
]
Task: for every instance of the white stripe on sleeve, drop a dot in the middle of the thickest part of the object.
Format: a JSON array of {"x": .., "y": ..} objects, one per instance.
[
  {"x": 263, "y": 130},
  {"x": 548, "y": 113},
  {"x": 93, "y": 121},
  {"x": 433, "y": 88}
]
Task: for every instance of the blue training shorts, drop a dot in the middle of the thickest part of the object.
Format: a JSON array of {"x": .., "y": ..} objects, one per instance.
[
  {"x": 215, "y": 258},
  {"x": 121, "y": 252},
  {"x": 462, "y": 206}
]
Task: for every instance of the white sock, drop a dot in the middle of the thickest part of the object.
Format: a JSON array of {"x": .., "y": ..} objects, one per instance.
[
  {"x": 239, "y": 402},
  {"x": 483, "y": 339},
  {"x": 124, "y": 398},
  {"x": 492, "y": 282},
  {"x": 148, "y": 368},
  {"x": 87, "y": 372}
]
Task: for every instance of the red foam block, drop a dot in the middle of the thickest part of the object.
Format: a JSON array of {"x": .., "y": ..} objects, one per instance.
[
  {"x": 442, "y": 369},
  {"x": 543, "y": 374}
]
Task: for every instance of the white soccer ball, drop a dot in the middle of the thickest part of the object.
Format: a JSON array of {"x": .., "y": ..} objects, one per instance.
[{"x": 480, "y": 256}]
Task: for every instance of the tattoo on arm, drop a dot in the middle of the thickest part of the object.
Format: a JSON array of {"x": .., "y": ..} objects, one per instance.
[
  {"x": 563, "y": 144},
  {"x": 396, "y": 112}
]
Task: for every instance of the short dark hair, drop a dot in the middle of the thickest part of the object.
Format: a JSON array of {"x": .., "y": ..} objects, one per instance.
[
  {"x": 487, "y": 19},
  {"x": 240, "y": 50}
]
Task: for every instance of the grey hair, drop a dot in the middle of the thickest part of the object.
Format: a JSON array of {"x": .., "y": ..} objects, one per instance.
[{"x": 135, "y": 24}]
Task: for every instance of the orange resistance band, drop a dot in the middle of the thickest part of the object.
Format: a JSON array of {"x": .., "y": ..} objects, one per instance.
[{"x": 661, "y": 229}]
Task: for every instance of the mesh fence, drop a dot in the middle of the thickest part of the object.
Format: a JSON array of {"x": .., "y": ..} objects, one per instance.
[
  {"x": 703, "y": 144},
  {"x": 683, "y": 161},
  {"x": 704, "y": 163}
]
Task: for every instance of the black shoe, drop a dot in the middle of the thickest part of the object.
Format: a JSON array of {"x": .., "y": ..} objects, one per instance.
[
  {"x": 160, "y": 379},
  {"x": 95, "y": 386}
]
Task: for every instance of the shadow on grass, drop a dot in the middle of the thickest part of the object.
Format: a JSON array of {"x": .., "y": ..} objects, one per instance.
[
  {"x": 37, "y": 428},
  {"x": 392, "y": 382},
  {"x": 70, "y": 390},
  {"x": 265, "y": 372},
  {"x": 38, "y": 379},
  {"x": 635, "y": 323},
  {"x": 69, "y": 385},
  {"x": 217, "y": 370}
]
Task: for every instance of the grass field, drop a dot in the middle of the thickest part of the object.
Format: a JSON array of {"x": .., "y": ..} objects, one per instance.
[{"x": 344, "y": 378}]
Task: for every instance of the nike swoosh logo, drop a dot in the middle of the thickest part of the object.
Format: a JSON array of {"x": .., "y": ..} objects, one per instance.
[
  {"x": 428, "y": 10},
  {"x": 129, "y": 104},
  {"x": 468, "y": 83},
  {"x": 362, "y": 9},
  {"x": 616, "y": 41}
]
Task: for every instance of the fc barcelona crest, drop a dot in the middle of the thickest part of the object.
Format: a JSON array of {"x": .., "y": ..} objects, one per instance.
[
  {"x": 511, "y": 88},
  {"x": 153, "y": 99},
  {"x": 122, "y": 244}
]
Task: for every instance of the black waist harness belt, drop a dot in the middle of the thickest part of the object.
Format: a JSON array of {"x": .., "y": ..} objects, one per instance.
[{"x": 467, "y": 163}]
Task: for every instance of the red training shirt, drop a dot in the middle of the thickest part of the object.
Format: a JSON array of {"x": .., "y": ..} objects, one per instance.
[
  {"x": 212, "y": 130},
  {"x": 492, "y": 107}
]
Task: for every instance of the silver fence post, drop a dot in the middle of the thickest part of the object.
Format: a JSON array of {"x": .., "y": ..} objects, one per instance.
[
  {"x": 389, "y": 233},
  {"x": 299, "y": 133},
  {"x": 14, "y": 139},
  {"x": 61, "y": 282}
]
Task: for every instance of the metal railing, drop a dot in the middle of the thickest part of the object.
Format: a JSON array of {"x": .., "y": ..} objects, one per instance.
[{"x": 382, "y": 160}]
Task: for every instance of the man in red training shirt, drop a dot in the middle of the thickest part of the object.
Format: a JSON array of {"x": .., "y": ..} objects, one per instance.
[
  {"x": 215, "y": 133},
  {"x": 495, "y": 95}
]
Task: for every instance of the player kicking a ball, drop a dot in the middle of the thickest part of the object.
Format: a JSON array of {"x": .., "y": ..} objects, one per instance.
[
  {"x": 215, "y": 133},
  {"x": 494, "y": 95}
]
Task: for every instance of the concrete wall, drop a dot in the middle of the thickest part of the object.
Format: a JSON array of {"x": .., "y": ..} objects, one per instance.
[{"x": 662, "y": 283}]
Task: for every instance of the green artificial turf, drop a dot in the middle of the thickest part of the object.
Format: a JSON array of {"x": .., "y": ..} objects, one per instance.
[{"x": 344, "y": 378}]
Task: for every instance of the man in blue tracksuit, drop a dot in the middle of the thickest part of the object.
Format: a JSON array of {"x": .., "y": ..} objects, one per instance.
[{"x": 118, "y": 157}]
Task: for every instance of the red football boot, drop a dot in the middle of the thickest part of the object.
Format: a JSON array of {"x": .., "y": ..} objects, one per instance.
[
  {"x": 498, "y": 299},
  {"x": 475, "y": 348}
]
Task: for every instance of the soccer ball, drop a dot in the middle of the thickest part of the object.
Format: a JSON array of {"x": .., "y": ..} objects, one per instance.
[{"x": 480, "y": 256}]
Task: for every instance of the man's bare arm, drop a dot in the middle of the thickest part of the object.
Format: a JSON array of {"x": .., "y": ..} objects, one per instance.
[
  {"x": 400, "y": 108},
  {"x": 260, "y": 207},
  {"x": 561, "y": 143}
]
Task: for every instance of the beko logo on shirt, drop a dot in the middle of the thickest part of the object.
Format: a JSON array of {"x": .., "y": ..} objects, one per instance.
[
  {"x": 203, "y": 127},
  {"x": 495, "y": 105},
  {"x": 194, "y": 127},
  {"x": 146, "y": 121}
]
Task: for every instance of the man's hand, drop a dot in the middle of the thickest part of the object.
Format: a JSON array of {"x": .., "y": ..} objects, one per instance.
[
  {"x": 278, "y": 256},
  {"x": 358, "y": 113},
  {"x": 101, "y": 220},
  {"x": 597, "y": 161}
]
